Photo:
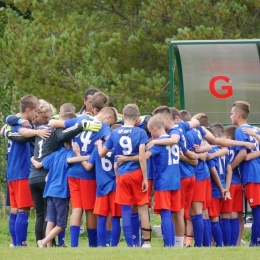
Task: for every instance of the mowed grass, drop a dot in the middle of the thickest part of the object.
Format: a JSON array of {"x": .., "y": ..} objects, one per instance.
[{"x": 121, "y": 252}]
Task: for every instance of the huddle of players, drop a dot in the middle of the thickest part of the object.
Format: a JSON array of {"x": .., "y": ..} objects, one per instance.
[{"x": 108, "y": 169}]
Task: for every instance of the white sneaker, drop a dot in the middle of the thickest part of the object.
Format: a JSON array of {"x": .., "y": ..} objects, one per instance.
[
  {"x": 146, "y": 246},
  {"x": 11, "y": 245}
]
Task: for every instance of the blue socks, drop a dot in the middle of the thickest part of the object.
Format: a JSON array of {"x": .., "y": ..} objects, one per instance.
[
  {"x": 92, "y": 236},
  {"x": 198, "y": 229},
  {"x": 167, "y": 228},
  {"x": 206, "y": 233},
  {"x": 21, "y": 227},
  {"x": 256, "y": 225},
  {"x": 234, "y": 223},
  {"x": 116, "y": 231},
  {"x": 74, "y": 236},
  {"x": 127, "y": 225},
  {"x": 101, "y": 230},
  {"x": 61, "y": 237},
  {"x": 226, "y": 231},
  {"x": 217, "y": 233},
  {"x": 135, "y": 228},
  {"x": 12, "y": 219},
  {"x": 108, "y": 237}
]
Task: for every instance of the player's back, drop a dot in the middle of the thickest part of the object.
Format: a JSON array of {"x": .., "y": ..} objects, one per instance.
[
  {"x": 249, "y": 169},
  {"x": 236, "y": 176},
  {"x": 19, "y": 159},
  {"x": 166, "y": 166},
  {"x": 126, "y": 140}
]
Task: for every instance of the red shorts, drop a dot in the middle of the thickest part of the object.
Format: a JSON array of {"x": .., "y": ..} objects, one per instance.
[
  {"x": 236, "y": 203},
  {"x": 252, "y": 193},
  {"x": 106, "y": 204},
  {"x": 150, "y": 190},
  {"x": 207, "y": 202},
  {"x": 20, "y": 194},
  {"x": 200, "y": 190},
  {"x": 215, "y": 206},
  {"x": 187, "y": 190},
  {"x": 170, "y": 200},
  {"x": 82, "y": 193},
  {"x": 129, "y": 189}
]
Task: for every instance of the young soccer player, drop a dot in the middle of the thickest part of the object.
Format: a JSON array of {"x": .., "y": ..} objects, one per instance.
[
  {"x": 249, "y": 169},
  {"x": 18, "y": 170},
  {"x": 132, "y": 182},
  {"x": 99, "y": 100},
  {"x": 82, "y": 183},
  {"x": 221, "y": 174},
  {"x": 166, "y": 178},
  {"x": 105, "y": 196}
]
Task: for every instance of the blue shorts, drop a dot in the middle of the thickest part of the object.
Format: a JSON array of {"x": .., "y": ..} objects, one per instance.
[{"x": 57, "y": 211}]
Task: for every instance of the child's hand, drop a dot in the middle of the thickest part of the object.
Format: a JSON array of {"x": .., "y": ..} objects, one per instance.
[
  {"x": 249, "y": 131},
  {"x": 32, "y": 158},
  {"x": 250, "y": 146},
  {"x": 227, "y": 195},
  {"x": 181, "y": 153},
  {"x": 197, "y": 148},
  {"x": 210, "y": 156},
  {"x": 149, "y": 145},
  {"x": 144, "y": 186},
  {"x": 25, "y": 123},
  {"x": 202, "y": 156},
  {"x": 121, "y": 159},
  {"x": 44, "y": 133},
  {"x": 76, "y": 148}
]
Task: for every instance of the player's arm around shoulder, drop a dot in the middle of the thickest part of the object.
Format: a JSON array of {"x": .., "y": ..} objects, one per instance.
[
  {"x": 173, "y": 139},
  {"x": 27, "y": 133},
  {"x": 36, "y": 164}
]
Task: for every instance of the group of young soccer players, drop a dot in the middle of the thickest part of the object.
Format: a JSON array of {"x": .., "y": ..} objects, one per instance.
[{"x": 110, "y": 165}]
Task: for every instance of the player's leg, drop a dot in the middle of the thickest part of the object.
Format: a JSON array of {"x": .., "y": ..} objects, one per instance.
[
  {"x": 108, "y": 230},
  {"x": 24, "y": 203},
  {"x": 214, "y": 212},
  {"x": 77, "y": 210}
]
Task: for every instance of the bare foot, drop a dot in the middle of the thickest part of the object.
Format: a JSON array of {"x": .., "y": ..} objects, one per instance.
[{"x": 40, "y": 244}]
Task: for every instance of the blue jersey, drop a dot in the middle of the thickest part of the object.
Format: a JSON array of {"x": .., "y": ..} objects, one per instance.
[
  {"x": 57, "y": 183},
  {"x": 221, "y": 164},
  {"x": 105, "y": 175},
  {"x": 126, "y": 141},
  {"x": 150, "y": 169},
  {"x": 19, "y": 159},
  {"x": 236, "y": 177},
  {"x": 201, "y": 169},
  {"x": 86, "y": 141},
  {"x": 249, "y": 169},
  {"x": 166, "y": 166}
]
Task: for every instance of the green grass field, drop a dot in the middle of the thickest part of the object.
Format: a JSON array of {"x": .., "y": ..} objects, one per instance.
[{"x": 121, "y": 252}]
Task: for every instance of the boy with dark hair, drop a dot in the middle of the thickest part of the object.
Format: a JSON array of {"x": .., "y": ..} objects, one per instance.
[
  {"x": 87, "y": 108},
  {"x": 249, "y": 169},
  {"x": 132, "y": 182}
]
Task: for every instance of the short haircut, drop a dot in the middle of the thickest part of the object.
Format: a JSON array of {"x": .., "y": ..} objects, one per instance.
[
  {"x": 175, "y": 112},
  {"x": 202, "y": 118},
  {"x": 155, "y": 121},
  {"x": 67, "y": 107},
  {"x": 99, "y": 100},
  {"x": 163, "y": 110},
  {"x": 218, "y": 129},
  {"x": 210, "y": 130},
  {"x": 230, "y": 131},
  {"x": 46, "y": 108},
  {"x": 115, "y": 126},
  {"x": 185, "y": 115},
  {"x": 68, "y": 115},
  {"x": 131, "y": 112},
  {"x": 111, "y": 111},
  {"x": 90, "y": 91},
  {"x": 242, "y": 107},
  {"x": 28, "y": 101}
]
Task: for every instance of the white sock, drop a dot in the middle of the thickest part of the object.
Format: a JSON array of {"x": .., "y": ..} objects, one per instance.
[{"x": 179, "y": 241}]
